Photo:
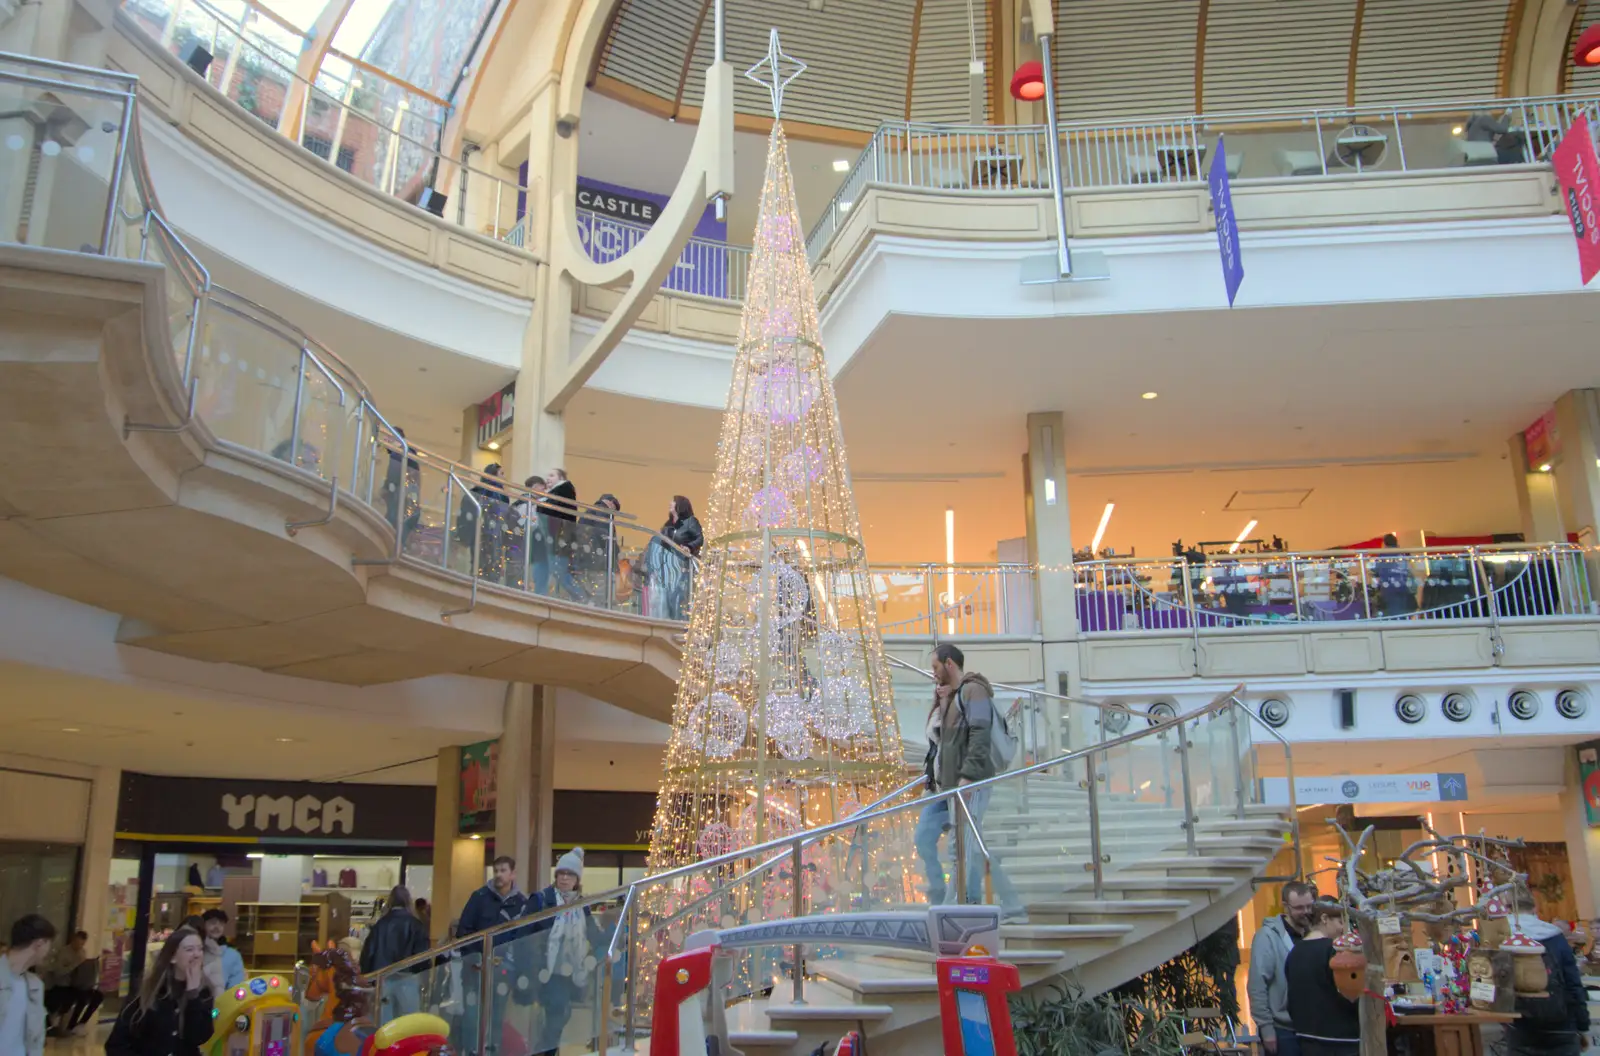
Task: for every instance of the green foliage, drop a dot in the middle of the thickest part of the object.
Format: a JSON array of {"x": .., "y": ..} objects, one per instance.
[
  {"x": 1142, "y": 1016},
  {"x": 1061, "y": 1021}
]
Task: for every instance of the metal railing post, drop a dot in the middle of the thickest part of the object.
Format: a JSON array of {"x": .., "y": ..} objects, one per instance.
[
  {"x": 611, "y": 562},
  {"x": 1294, "y": 583},
  {"x": 630, "y": 974},
  {"x": 1189, "y": 818},
  {"x": 485, "y": 994},
  {"x": 299, "y": 395},
  {"x": 1366, "y": 594},
  {"x": 927, "y": 590},
  {"x": 119, "y": 162},
  {"x": 1097, "y": 855},
  {"x": 449, "y": 533},
  {"x": 958, "y": 848},
  {"x": 797, "y": 909}
]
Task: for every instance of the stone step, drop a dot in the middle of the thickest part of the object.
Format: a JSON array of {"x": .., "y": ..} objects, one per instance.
[
  {"x": 829, "y": 1012},
  {"x": 1236, "y": 842},
  {"x": 1251, "y": 825},
  {"x": 866, "y": 977},
  {"x": 763, "y": 1039},
  {"x": 1182, "y": 864},
  {"x": 1091, "y": 911},
  {"x": 1064, "y": 937}
]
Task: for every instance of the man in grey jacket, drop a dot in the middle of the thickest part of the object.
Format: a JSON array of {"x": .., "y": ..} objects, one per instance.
[
  {"x": 958, "y": 754},
  {"x": 1269, "y": 988}
]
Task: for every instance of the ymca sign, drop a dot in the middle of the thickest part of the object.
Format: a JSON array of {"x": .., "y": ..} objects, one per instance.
[{"x": 305, "y": 812}]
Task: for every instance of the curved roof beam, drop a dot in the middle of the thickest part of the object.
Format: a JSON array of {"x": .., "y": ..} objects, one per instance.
[{"x": 319, "y": 39}]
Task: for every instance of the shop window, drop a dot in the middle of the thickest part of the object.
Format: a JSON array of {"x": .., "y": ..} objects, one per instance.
[
  {"x": 323, "y": 148},
  {"x": 39, "y": 878}
]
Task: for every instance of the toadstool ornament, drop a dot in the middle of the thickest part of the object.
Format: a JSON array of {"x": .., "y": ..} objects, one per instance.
[
  {"x": 1530, "y": 975},
  {"x": 1349, "y": 966},
  {"x": 1495, "y": 928}
]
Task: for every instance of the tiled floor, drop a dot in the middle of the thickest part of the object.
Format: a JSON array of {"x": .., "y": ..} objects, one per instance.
[{"x": 91, "y": 1042}]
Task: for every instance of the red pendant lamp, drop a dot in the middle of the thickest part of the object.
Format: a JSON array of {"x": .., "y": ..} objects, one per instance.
[
  {"x": 1027, "y": 84},
  {"x": 1587, "y": 51}
]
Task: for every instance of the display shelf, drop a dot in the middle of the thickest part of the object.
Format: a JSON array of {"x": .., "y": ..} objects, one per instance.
[{"x": 272, "y": 936}]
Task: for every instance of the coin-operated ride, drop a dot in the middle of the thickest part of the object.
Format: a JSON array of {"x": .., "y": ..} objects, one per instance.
[
  {"x": 974, "y": 1013},
  {"x": 259, "y": 1017}
]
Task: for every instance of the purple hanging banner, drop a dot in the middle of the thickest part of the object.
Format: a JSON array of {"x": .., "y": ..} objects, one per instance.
[{"x": 1227, "y": 222}]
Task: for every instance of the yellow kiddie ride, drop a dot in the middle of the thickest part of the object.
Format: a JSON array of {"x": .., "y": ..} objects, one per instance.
[{"x": 259, "y": 1017}]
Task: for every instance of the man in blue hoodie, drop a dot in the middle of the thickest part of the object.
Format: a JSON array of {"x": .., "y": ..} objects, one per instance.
[{"x": 1557, "y": 1025}]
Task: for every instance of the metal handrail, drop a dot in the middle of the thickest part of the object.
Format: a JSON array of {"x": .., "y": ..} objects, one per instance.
[
  {"x": 853, "y": 821},
  {"x": 1009, "y": 688}
]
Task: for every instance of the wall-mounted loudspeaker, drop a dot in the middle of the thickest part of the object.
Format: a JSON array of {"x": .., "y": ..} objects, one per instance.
[
  {"x": 1572, "y": 704},
  {"x": 432, "y": 200},
  {"x": 1347, "y": 709},
  {"x": 1275, "y": 712},
  {"x": 198, "y": 58},
  {"x": 1523, "y": 704},
  {"x": 1161, "y": 711}
]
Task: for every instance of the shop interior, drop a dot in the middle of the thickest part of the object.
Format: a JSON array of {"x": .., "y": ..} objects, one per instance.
[{"x": 277, "y": 904}]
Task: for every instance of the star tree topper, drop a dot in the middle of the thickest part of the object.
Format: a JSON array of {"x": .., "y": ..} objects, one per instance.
[{"x": 774, "y": 80}]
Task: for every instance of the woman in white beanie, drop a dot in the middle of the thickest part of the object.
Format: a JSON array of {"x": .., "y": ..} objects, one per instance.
[{"x": 564, "y": 962}]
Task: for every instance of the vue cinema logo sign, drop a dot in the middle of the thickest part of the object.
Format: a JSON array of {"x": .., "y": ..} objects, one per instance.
[{"x": 306, "y": 815}]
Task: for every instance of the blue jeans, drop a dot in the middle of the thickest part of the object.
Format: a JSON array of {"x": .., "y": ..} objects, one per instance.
[
  {"x": 931, "y": 826},
  {"x": 561, "y": 566},
  {"x": 1288, "y": 1042}
]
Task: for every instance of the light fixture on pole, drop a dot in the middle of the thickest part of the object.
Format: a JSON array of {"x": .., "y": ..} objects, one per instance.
[
  {"x": 1100, "y": 532},
  {"x": 1234, "y": 549}
]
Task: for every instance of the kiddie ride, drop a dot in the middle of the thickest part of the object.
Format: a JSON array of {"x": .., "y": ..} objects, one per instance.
[
  {"x": 261, "y": 1017},
  {"x": 689, "y": 1017}
]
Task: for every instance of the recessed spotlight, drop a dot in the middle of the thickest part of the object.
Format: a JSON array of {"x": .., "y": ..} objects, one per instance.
[
  {"x": 1149, "y": 395},
  {"x": 474, "y": 836},
  {"x": 841, "y": 164},
  {"x": 1545, "y": 468},
  {"x": 70, "y": 729},
  {"x": 493, "y": 445},
  {"x": 1456, "y": 131},
  {"x": 286, "y": 740}
]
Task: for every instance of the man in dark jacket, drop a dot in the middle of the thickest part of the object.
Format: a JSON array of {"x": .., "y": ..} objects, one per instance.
[
  {"x": 394, "y": 937},
  {"x": 958, "y": 754},
  {"x": 563, "y": 517},
  {"x": 492, "y": 904},
  {"x": 1557, "y": 1025}
]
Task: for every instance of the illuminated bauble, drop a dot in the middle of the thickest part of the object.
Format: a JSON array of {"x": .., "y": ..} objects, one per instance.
[
  {"x": 839, "y": 652},
  {"x": 716, "y": 840},
  {"x": 769, "y": 508},
  {"x": 787, "y": 589},
  {"x": 800, "y": 468},
  {"x": 729, "y": 659},
  {"x": 842, "y": 708},
  {"x": 788, "y": 725},
  {"x": 723, "y": 722},
  {"x": 783, "y": 392},
  {"x": 776, "y": 233},
  {"x": 778, "y": 324}
]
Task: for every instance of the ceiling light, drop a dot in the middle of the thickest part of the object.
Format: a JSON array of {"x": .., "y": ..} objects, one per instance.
[
  {"x": 493, "y": 445},
  {"x": 1149, "y": 395},
  {"x": 844, "y": 207},
  {"x": 1234, "y": 549},
  {"x": 286, "y": 740},
  {"x": 70, "y": 729},
  {"x": 1456, "y": 131},
  {"x": 1100, "y": 532},
  {"x": 841, "y": 164},
  {"x": 1545, "y": 468},
  {"x": 1586, "y": 49},
  {"x": 950, "y": 566},
  {"x": 255, "y": 854},
  {"x": 474, "y": 836}
]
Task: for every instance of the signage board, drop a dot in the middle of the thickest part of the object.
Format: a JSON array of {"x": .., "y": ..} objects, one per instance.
[
  {"x": 1541, "y": 441},
  {"x": 496, "y": 415},
  {"x": 479, "y": 763},
  {"x": 1227, "y": 223},
  {"x": 247, "y": 810},
  {"x": 1368, "y": 788},
  {"x": 1577, "y": 174},
  {"x": 1589, "y": 780}
]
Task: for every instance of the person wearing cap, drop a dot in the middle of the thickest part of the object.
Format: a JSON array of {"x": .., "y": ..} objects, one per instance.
[{"x": 565, "y": 957}]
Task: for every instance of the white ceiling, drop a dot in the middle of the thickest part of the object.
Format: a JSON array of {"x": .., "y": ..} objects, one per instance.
[{"x": 1386, "y": 417}]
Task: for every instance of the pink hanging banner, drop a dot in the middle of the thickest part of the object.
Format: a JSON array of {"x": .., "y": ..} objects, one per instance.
[{"x": 1578, "y": 172}]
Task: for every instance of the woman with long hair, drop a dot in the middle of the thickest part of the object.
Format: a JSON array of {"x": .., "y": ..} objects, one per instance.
[
  {"x": 171, "y": 1014},
  {"x": 666, "y": 567}
]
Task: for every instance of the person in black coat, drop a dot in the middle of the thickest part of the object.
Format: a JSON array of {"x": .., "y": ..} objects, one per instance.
[
  {"x": 683, "y": 528},
  {"x": 1326, "y": 1023},
  {"x": 394, "y": 937},
  {"x": 562, "y": 517},
  {"x": 171, "y": 1014}
]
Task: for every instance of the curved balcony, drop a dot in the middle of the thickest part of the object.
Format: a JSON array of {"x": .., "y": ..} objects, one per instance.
[{"x": 233, "y": 490}]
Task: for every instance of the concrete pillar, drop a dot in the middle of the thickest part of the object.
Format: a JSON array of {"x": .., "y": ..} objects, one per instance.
[
  {"x": 538, "y": 438},
  {"x": 1583, "y": 842},
  {"x": 457, "y": 860},
  {"x": 1050, "y": 549},
  {"x": 525, "y": 782},
  {"x": 1575, "y": 468},
  {"x": 98, "y": 839},
  {"x": 1536, "y": 498}
]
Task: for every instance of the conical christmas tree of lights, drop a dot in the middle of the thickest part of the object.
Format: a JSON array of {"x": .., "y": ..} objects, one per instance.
[{"x": 784, "y": 717}]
